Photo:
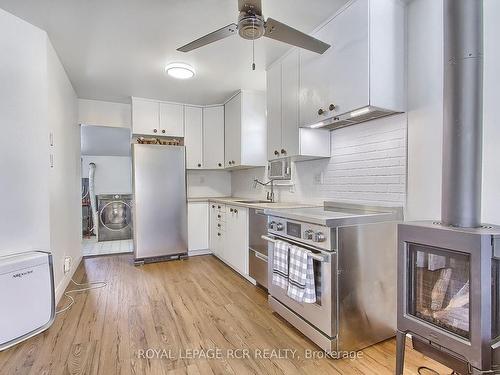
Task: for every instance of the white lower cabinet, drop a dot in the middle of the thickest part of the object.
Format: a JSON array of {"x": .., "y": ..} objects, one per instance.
[
  {"x": 236, "y": 241},
  {"x": 216, "y": 230},
  {"x": 229, "y": 235},
  {"x": 198, "y": 224}
]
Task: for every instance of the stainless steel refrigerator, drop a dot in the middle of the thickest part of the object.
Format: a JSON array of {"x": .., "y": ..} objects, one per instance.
[{"x": 160, "y": 203}]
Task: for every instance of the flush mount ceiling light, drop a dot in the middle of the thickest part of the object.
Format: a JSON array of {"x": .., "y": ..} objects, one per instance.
[{"x": 180, "y": 70}]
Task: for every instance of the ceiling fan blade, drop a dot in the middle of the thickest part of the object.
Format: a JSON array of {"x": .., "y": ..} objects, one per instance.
[
  {"x": 254, "y": 6},
  {"x": 210, "y": 38},
  {"x": 284, "y": 33}
]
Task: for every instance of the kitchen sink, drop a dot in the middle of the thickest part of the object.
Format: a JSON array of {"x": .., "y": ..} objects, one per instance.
[{"x": 253, "y": 201}]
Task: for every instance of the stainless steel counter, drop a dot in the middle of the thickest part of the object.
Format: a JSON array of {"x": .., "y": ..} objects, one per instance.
[{"x": 334, "y": 215}]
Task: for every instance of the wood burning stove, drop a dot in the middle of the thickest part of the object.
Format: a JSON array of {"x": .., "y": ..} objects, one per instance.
[
  {"x": 448, "y": 294},
  {"x": 448, "y": 286}
]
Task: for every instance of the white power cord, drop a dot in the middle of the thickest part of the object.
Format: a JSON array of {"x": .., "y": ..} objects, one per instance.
[{"x": 98, "y": 285}]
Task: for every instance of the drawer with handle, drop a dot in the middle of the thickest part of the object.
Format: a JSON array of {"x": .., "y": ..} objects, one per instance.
[
  {"x": 220, "y": 216},
  {"x": 220, "y": 226},
  {"x": 218, "y": 207},
  {"x": 257, "y": 267}
]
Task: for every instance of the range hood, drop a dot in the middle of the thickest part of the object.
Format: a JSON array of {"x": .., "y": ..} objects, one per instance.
[{"x": 354, "y": 117}]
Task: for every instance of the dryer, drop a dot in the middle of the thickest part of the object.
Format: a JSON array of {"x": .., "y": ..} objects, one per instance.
[{"x": 115, "y": 217}]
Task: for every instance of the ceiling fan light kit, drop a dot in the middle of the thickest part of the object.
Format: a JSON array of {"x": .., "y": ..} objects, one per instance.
[{"x": 251, "y": 26}]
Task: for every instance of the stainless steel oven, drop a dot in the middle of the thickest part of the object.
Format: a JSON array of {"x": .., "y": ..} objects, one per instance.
[
  {"x": 353, "y": 248},
  {"x": 322, "y": 314}
]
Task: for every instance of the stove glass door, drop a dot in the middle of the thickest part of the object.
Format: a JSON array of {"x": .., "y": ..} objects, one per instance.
[
  {"x": 495, "y": 289},
  {"x": 439, "y": 292}
]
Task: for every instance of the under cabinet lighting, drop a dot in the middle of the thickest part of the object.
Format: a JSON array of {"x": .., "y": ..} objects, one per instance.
[
  {"x": 317, "y": 125},
  {"x": 359, "y": 112}
]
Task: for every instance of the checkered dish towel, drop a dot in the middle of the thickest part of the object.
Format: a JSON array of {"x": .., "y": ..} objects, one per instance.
[
  {"x": 280, "y": 264},
  {"x": 301, "y": 276}
]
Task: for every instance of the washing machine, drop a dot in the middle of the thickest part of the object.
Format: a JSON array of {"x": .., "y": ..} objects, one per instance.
[{"x": 115, "y": 217}]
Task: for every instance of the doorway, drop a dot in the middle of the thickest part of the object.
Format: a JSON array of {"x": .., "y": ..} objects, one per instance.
[{"x": 107, "y": 200}]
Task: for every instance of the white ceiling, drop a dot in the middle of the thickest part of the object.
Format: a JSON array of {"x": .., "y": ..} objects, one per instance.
[
  {"x": 114, "y": 49},
  {"x": 105, "y": 141}
]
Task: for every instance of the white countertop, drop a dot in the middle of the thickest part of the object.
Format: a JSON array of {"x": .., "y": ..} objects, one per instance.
[{"x": 234, "y": 201}]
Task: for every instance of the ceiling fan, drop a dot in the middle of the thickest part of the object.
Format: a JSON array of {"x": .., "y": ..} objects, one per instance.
[{"x": 251, "y": 26}]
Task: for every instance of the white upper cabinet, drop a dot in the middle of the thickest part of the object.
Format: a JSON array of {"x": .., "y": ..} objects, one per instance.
[
  {"x": 273, "y": 97},
  {"x": 172, "y": 119},
  {"x": 285, "y": 138},
  {"x": 145, "y": 117},
  {"x": 213, "y": 137},
  {"x": 363, "y": 68},
  {"x": 245, "y": 130},
  {"x": 290, "y": 105},
  {"x": 194, "y": 137},
  {"x": 232, "y": 133},
  {"x": 151, "y": 117}
]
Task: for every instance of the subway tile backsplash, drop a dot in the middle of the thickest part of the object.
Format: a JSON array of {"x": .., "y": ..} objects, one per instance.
[{"x": 367, "y": 165}]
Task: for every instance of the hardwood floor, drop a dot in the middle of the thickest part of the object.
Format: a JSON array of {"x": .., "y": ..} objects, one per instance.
[{"x": 179, "y": 306}]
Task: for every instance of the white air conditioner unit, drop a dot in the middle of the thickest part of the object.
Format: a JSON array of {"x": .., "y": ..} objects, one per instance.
[{"x": 27, "y": 298}]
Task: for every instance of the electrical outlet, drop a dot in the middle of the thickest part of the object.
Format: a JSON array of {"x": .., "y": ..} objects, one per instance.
[
  {"x": 319, "y": 178},
  {"x": 67, "y": 265}
]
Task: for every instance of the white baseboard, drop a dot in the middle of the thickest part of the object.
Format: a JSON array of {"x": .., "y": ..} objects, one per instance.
[
  {"x": 66, "y": 280},
  {"x": 193, "y": 253}
]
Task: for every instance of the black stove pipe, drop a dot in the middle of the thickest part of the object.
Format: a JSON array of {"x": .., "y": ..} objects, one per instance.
[{"x": 463, "y": 113}]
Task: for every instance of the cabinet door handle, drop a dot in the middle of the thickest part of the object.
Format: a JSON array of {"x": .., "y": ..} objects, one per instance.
[
  {"x": 231, "y": 210},
  {"x": 332, "y": 107},
  {"x": 218, "y": 234},
  {"x": 235, "y": 211},
  {"x": 321, "y": 111},
  {"x": 213, "y": 205},
  {"x": 218, "y": 216},
  {"x": 218, "y": 225},
  {"x": 155, "y": 130},
  {"x": 220, "y": 164},
  {"x": 163, "y": 131},
  {"x": 276, "y": 152},
  {"x": 199, "y": 165},
  {"x": 283, "y": 151}
]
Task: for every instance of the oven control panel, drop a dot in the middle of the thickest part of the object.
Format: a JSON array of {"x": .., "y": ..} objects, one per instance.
[{"x": 304, "y": 233}]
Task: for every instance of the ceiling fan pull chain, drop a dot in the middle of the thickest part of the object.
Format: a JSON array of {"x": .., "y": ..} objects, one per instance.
[
  {"x": 253, "y": 54},
  {"x": 253, "y": 46}
]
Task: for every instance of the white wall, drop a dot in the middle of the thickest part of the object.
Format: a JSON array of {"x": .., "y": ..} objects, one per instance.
[
  {"x": 113, "y": 174},
  {"x": 425, "y": 109},
  {"x": 96, "y": 112},
  {"x": 491, "y": 135},
  {"x": 208, "y": 184},
  {"x": 425, "y": 117},
  {"x": 24, "y": 155},
  {"x": 368, "y": 165},
  {"x": 64, "y": 177},
  {"x": 40, "y": 205}
]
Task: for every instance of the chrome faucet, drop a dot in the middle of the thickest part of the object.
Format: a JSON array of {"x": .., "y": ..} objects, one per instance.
[{"x": 270, "y": 194}]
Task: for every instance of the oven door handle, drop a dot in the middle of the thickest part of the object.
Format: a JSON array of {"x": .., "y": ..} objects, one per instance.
[{"x": 320, "y": 258}]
